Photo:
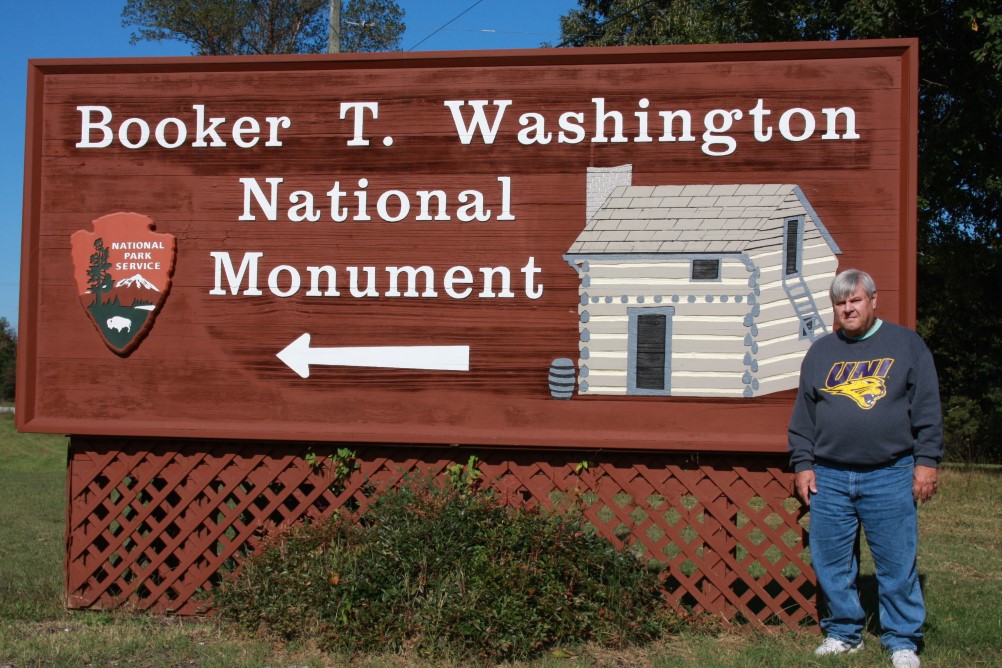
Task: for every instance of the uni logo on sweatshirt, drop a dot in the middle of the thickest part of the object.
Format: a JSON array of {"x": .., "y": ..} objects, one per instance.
[{"x": 863, "y": 382}]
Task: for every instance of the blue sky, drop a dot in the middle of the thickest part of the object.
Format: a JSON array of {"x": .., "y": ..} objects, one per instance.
[{"x": 93, "y": 29}]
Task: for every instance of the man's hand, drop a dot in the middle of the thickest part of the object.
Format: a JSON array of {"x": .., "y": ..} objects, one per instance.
[
  {"x": 805, "y": 485},
  {"x": 924, "y": 485}
]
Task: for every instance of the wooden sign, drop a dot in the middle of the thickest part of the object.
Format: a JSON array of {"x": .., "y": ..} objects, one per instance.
[{"x": 591, "y": 248}]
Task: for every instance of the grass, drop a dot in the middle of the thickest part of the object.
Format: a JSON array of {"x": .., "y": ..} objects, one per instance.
[
  {"x": 960, "y": 560},
  {"x": 32, "y": 482}
]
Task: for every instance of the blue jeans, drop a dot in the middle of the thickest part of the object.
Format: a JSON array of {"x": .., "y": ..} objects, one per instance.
[{"x": 881, "y": 499}]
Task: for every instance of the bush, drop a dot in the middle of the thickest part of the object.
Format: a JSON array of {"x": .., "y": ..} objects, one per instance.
[{"x": 446, "y": 571}]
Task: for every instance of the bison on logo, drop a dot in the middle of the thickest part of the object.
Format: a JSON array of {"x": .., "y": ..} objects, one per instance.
[{"x": 123, "y": 273}]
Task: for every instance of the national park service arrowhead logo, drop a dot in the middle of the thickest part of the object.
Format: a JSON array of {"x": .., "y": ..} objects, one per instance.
[{"x": 123, "y": 272}]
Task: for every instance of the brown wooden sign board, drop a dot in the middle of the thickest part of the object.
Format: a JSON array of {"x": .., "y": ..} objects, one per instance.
[{"x": 597, "y": 248}]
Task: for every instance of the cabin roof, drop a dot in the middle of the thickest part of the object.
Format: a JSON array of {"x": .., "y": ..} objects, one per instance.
[{"x": 735, "y": 218}]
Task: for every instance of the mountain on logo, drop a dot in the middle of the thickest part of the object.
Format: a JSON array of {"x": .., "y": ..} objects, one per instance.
[
  {"x": 135, "y": 291},
  {"x": 136, "y": 281}
]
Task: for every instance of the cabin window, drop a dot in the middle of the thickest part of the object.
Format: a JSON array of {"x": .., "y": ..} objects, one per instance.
[
  {"x": 793, "y": 233},
  {"x": 809, "y": 324},
  {"x": 705, "y": 270}
]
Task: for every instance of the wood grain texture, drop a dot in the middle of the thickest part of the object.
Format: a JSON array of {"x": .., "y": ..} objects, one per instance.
[{"x": 208, "y": 367}]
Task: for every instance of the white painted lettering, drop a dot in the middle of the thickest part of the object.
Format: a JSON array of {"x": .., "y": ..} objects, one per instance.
[
  {"x": 248, "y": 268},
  {"x": 144, "y": 133},
  {"x": 465, "y": 277},
  {"x": 489, "y": 273},
  {"x": 403, "y": 206},
  {"x": 364, "y": 282},
  {"x": 506, "y": 214},
  {"x": 268, "y": 205},
  {"x": 530, "y": 270},
  {"x": 275, "y": 275},
  {"x": 642, "y": 135},
  {"x": 425, "y": 196},
  {"x": 391, "y": 206},
  {"x": 571, "y": 128},
  {"x": 808, "y": 123},
  {"x": 668, "y": 118},
  {"x": 315, "y": 273},
  {"x": 302, "y": 207},
  {"x": 832, "y": 128},
  {"x": 245, "y": 126},
  {"x": 339, "y": 213},
  {"x": 180, "y": 132},
  {"x": 601, "y": 118},
  {"x": 362, "y": 197},
  {"x": 534, "y": 130},
  {"x": 474, "y": 210},
  {"x": 201, "y": 131},
  {"x": 358, "y": 109},
  {"x": 370, "y": 283},
  {"x": 87, "y": 126},
  {"x": 429, "y": 281},
  {"x": 715, "y": 121},
  {"x": 479, "y": 121},
  {"x": 96, "y": 130},
  {"x": 758, "y": 113}
]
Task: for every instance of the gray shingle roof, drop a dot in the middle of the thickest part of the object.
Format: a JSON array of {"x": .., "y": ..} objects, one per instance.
[{"x": 688, "y": 219}]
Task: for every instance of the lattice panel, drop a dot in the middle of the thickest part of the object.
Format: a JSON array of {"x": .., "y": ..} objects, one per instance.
[{"x": 152, "y": 524}]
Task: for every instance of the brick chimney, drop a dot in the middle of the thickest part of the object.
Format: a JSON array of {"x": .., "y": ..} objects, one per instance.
[{"x": 602, "y": 181}]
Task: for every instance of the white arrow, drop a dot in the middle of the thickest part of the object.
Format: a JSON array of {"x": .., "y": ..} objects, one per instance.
[{"x": 298, "y": 356}]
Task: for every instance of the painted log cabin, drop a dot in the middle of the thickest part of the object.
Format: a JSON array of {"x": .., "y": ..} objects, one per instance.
[{"x": 712, "y": 290}]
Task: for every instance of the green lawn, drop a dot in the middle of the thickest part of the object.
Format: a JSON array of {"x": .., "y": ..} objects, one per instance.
[
  {"x": 32, "y": 514},
  {"x": 961, "y": 563}
]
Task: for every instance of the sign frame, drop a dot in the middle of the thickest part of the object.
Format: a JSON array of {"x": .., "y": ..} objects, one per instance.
[{"x": 157, "y": 386}]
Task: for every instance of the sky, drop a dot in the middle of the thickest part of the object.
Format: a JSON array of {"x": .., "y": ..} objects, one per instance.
[{"x": 41, "y": 29}]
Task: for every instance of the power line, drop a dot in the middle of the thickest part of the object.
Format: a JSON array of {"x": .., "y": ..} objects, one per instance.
[
  {"x": 494, "y": 31},
  {"x": 439, "y": 29}
]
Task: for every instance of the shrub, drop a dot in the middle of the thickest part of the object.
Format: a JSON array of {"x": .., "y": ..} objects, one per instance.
[{"x": 446, "y": 571}]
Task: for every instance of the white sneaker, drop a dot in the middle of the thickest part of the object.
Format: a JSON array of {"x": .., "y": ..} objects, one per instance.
[
  {"x": 836, "y": 646},
  {"x": 905, "y": 658}
]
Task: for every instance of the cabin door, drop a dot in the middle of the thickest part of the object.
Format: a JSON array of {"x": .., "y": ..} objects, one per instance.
[{"x": 650, "y": 350}]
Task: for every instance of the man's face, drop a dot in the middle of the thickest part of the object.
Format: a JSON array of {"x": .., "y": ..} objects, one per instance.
[{"x": 857, "y": 313}]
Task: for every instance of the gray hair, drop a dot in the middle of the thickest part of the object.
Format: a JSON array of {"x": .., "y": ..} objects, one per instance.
[{"x": 846, "y": 283}]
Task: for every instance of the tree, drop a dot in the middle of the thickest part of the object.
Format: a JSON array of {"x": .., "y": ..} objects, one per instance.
[
  {"x": 255, "y": 27},
  {"x": 960, "y": 173},
  {"x": 960, "y": 64},
  {"x": 98, "y": 279},
  {"x": 8, "y": 359},
  {"x": 639, "y": 23},
  {"x": 371, "y": 25}
]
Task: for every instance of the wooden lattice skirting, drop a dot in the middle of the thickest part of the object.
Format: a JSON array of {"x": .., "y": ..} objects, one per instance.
[{"x": 153, "y": 524}]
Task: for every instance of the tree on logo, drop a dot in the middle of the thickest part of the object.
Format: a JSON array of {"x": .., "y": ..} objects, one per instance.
[{"x": 98, "y": 279}]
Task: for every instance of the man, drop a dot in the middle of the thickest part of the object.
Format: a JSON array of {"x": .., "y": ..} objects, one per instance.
[{"x": 865, "y": 439}]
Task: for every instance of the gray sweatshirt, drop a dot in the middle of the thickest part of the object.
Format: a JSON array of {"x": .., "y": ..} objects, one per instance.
[{"x": 867, "y": 402}]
